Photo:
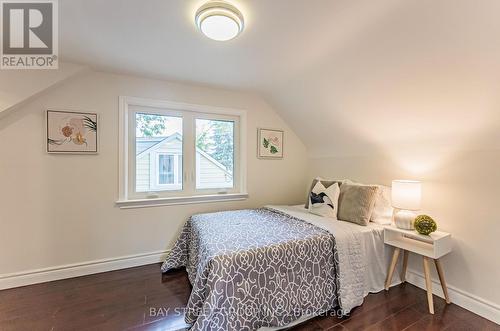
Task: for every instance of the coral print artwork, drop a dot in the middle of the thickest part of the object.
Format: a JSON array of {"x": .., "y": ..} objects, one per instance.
[
  {"x": 71, "y": 132},
  {"x": 270, "y": 144}
]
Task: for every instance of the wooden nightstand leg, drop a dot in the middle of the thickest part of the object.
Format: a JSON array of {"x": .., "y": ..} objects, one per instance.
[
  {"x": 394, "y": 261},
  {"x": 442, "y": 280},
  {"x": 405, "y": 265},
  {"x": 428, "y": 284}
]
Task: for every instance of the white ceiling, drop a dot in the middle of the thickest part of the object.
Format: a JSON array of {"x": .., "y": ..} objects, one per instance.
[
  {"x": 159, "y": 38},
  {"x": 349, "y": 76}
]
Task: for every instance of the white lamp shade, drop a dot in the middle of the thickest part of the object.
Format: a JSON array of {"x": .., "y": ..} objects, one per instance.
[{"x": 406, "y": 194}]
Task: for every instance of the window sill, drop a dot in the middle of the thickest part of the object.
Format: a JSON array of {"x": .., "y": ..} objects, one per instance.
[{"x": 156, "y": 202}]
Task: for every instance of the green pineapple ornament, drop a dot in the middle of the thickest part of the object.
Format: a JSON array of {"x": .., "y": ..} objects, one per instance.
[{"x": 424, "y": 224}]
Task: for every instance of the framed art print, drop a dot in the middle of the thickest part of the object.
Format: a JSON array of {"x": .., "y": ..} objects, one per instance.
[
  {"x": 71, "y": 132},
  {"x": 270, "y": 144}
]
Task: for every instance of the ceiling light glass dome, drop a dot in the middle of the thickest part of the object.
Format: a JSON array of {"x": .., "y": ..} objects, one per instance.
[{"x": 219, "y": 20}]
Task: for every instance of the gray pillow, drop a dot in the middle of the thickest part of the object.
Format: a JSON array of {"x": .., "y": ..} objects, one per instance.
[
  {"x": 356, "y": 203},
  {"x": 326, "y": 184}
]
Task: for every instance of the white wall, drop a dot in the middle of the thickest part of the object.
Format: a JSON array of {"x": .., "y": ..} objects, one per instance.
[
  {"x": 20, "y": 85},
  {"x": 410, "y": 89},
  {"x": 59, "y": 209},
  {"x": 461, "y": 194}
]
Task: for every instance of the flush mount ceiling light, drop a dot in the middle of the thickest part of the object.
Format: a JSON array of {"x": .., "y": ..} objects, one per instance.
[{"x": 219, "y": 20}]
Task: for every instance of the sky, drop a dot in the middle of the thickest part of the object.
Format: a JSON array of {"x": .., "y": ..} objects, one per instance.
[{"x": 174, "y": 125}]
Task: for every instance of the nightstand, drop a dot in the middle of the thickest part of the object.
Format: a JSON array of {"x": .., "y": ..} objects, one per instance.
[{"x": 433, "y": 246}]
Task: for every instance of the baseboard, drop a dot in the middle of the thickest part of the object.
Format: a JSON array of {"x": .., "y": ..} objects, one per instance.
[
  {"x": 459, "y": 297},
  {"x": 78, "y": 269}
]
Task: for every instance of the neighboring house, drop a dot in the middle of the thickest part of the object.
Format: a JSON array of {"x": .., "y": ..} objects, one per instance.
[{"x": 159, "y": 166}]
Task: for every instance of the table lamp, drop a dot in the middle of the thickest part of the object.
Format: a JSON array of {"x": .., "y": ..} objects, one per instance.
[{"x": 406, "y": 199}]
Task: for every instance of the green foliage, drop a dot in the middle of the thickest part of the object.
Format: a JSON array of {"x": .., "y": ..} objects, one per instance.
[
  {"x": 89, "y": 123},
  {"x": 202, "y": 140},
  {"x": 217, "y": 140},
  {"x": 150, "y": 125},
  {"x": 267, "y": 144},
  {"x": 424, "y": 224}
]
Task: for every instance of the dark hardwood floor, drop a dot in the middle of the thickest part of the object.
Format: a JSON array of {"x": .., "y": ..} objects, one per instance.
[{"x": 131, "y": 299}]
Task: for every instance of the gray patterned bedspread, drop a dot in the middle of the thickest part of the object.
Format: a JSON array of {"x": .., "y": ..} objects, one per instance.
[{"x": 255, "y": 268}]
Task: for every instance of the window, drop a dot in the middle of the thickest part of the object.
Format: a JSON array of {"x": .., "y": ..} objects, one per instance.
[
  {"x": 168, "y": 174},
  {"x": 179, "y": 153},
  {"x": 214, "y": 154},
  {"x": 165, "y": 169},
  {"x": 158, "y": 152}
]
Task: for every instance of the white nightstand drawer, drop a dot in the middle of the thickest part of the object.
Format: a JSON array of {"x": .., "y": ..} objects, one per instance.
[{"x": 434, "y": 245}]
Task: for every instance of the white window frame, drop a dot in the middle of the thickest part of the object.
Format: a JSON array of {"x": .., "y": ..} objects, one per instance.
[{"x": 129, "y": 198}]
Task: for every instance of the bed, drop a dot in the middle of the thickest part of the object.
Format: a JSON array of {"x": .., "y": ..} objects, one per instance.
[{"x": 271, "y": 267}]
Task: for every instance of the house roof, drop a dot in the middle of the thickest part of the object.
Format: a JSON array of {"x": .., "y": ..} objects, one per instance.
[
  {"x": 143, "y": 144},
  {"x": 148, "y": 144}
]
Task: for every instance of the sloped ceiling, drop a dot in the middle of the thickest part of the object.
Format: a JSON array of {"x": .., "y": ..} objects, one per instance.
[
  {"x": 19, "y": 86},
  {"x": 350, "y": 77}
]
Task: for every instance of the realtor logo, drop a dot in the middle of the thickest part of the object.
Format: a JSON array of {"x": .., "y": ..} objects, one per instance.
[{"x": 29, "y": 34}]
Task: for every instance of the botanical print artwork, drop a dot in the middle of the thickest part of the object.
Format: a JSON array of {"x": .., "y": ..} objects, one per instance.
[
  {"x": 71, "y": 132},
  {"x": 270, "y": 144}
]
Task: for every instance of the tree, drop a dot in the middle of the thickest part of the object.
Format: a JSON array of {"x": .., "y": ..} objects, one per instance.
[
  {"x": 217, "y": 140},
  {"x": 202, "y": 139},
  {"x": 223, "y": 143},
  {"x": 150, "y": 125}
]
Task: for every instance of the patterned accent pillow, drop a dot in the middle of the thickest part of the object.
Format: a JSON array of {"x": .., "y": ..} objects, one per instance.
[
  {"x": 326, "y": 184},
  {"x": 324, "y": 201}
]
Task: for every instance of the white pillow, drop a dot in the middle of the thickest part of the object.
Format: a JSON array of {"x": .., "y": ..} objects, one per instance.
[
  {"x": 382, "y": 212},
  {"x": 382, "y": 220},
  {"x": 324, "y": 201}
]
